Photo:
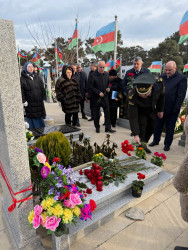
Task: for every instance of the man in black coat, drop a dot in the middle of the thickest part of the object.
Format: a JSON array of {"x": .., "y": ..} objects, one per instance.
[
  {"x": 83, "y": 87},
  {"x": 175, "y": 91},
  {"x": 136, "y": 71},
  {"x": 146, "y": 101},
  {"x": 99, "y": 87}
]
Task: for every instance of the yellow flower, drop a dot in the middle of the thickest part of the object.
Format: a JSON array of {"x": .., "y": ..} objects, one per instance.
[
  {"x": 100, "y": 154},
  {"x": 44, "y": 215},
  {"x": 47, "y": 203},
  {"x": 76, "y": 211},
  {"x": 26, "y": 139},
  {"x": 58, "y": 210},
  {"x": 67, "y": 215},
  {"x": 50, "y": 211},
  {"x": 31, "y": 216},
  {"x": 97, "y": 155},
  {"x": 48, "y": 165}
]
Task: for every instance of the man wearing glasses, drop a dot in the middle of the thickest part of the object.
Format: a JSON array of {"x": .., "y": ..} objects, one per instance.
[{"x": 99, "y": 88}]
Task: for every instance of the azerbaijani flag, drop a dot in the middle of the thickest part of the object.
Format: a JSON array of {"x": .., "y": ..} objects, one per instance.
[
  {"x": 117, "y": 64},
  {"x": 74, "y": 40},
  {"x": 105, "y": 37},
  {"x": 36, "y": 58},
  {"x": 156, "y": 67},
  {"x": 59, "y": 53},
  {"x": 108, "y": 65},
  {"x": 185, "y": 68},
  {"x": 40, "y": 69},
  {"x": 183, "y": 31},
  {"x": 20, "y": 54}
]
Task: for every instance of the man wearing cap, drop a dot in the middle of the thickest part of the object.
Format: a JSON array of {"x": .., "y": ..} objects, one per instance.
[
  {"x": 136, "y": 71},
  {"x": 175, "y": 90},
  {"x": 146, "y": 102}
]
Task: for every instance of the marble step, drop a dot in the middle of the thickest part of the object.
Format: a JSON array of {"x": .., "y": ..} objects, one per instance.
[{"x": 114, "y": 200}]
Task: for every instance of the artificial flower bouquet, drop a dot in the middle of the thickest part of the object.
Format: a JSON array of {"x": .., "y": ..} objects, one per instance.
[
  {"x": 158, "y": 159},
  {"x": 29, "y": 135},
  {"x": 62, "y": 199},
  {"x": 140, "y": 152}
]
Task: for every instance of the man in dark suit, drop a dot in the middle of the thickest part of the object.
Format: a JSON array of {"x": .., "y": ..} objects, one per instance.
[
  {"x": 135, "y": 72},
  {"x": 99, "y": 88},
  {"x": 175, "y": 91}
]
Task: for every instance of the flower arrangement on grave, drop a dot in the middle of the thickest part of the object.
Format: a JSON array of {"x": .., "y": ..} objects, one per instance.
[
  {"x": 140, "y": 152},
  {"x": 158, "y": 159},
  {"x": 29, "y": 135},
  {"x": 130, "y": 78},
  {"x": 62, "y": 199},
  {"x": 105, "y": 171},
  {"x": 137, "y": 185}
]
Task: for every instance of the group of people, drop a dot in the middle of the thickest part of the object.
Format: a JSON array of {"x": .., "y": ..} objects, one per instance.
[{"x": 151, "y": 103}]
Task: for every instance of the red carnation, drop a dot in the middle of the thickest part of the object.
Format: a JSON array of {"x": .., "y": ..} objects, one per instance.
[
  {"x": 130, "y": 74},
  {"x": 112, "y": 175},
  {"x": 99, "y": 189},
  {"x": 93, "y": 181},
  {"x": 31, "y": 146},
  {"x": 86, "y": 171},
  {"x": 80, "y": 172},
  {"x": 89, "y": 176},
  {"x": 93, "y": 205},
  {"x": 56, "y": 159},
  {"x": 99, "y": 178},
  {"x": 99, "y": 183},
  {"x": 97, "y": 172},
  {"x": 89, "y": 191}
]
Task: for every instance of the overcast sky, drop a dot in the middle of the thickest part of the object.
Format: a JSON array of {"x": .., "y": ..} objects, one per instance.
[{"x": 141, "y": 22}]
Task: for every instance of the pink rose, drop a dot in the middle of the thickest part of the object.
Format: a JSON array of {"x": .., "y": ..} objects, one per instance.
[
  {"x": 52, "y": 222},
  {"x": 67, "y": 203},
  {"x": 37, "y": 220},
  {"x": 41, "y": 158},
  {"x": 38, "y": 210},
  {"x": 75, "y": 200}
]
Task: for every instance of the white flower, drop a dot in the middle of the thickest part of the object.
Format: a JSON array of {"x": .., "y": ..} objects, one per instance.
[{"x": 26, "y": 125}]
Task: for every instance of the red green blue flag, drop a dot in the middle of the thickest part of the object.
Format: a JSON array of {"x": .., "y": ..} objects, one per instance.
[
  {"x": 107, "y": 65},
  {"x": 183, "y": 31},
  {"x": 105, "y": 37},
  {"x": 20, "y": 54},
  {"x": 74, "y": 40},
  {"x": 156, "y": 67},
  {"x": 36, "y": 58},
  {"x": 117, "y": 64},
  {"x": 185, "y": 68},
  {"x": 59, "y": 53}
]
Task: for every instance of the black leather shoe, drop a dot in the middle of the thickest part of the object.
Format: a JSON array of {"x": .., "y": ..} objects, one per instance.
[
  {"x": 147, "y": 150},
  {"x": 97, "y": 130},
  {"x": 110, "y": 130},
  {"x": 181, "y": 248},
  {"x": 91, "y": 119},
  {"x": 166, "y": 148},
  {"x": 84, "y": 117},
  {"x": 77, "y": 124},
  {"x": 153, "y": 143}
]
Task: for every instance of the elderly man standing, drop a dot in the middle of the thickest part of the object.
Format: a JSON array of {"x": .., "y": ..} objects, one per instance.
[
  {"x": 134, "y": 72},
  {"x": 175, "y": 91},
  {"x": 99, "y": 88}
]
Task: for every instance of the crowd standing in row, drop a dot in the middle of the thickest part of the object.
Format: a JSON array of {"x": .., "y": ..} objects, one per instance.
[{"x": 151, "y": 103}]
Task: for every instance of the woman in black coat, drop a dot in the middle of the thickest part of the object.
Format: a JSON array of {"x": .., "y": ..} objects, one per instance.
[
  {"x": 33, "y": 95},
  {"x": 115, "y": 95},
  {"x": 68, "y": 93}
]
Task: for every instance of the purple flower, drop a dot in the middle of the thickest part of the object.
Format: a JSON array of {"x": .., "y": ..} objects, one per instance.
[
  {"x": 60, "y": 184},
  {"x": 38, "y": 150},
  {"x": 52, "y": 173},
  {"x": 86, "y": 212},
  {"x": 57, "y": 194},
  {"x": 45, "y": 172},
  {"x": 51, "y": 191}
]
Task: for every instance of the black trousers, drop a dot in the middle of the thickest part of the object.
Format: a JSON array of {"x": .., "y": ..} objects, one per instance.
[
  {"x": 96, "y": 115},
  {"x": 169, "y": 122},
  {"x": 82, "y": 107},
  {"x": 113, "y": 116},
  {"x": 91, "y": 106},
  {"x": 146, "y": 125},
  {"x": 68, "y": 117}
]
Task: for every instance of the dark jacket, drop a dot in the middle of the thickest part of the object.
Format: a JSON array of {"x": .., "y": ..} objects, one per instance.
[
  {"x": 68, "y": 93},
  {"x": 99, "y": 83},
  {"x": 82, "y": 83},
  {"x": 137, "y": 105},
  {"x": 116, "y": 86},
  {"x": 126, "y": 80},
  {"x": 34, "y": 93},
  {"x": 175, "y": 91}
]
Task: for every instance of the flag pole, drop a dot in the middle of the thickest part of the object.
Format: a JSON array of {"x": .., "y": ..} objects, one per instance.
[
  {"x": 115, "y": 43},
  {"x": 56, "y": 65},
  {"x": 120, "y": 65},
  {"x": 77, "y": 42}
]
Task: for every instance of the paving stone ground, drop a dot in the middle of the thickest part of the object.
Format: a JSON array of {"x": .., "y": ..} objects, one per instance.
[{"x": 162, "y": 228}]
